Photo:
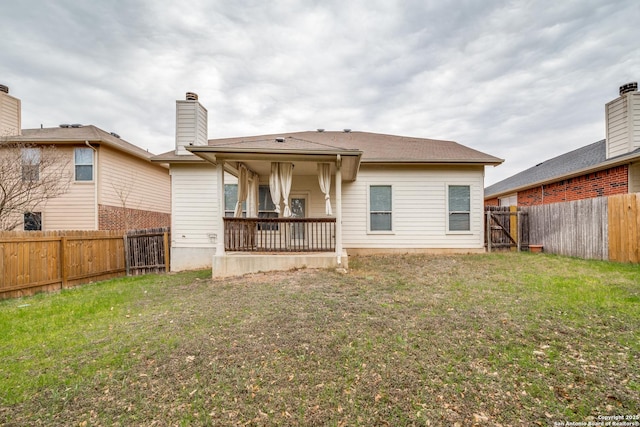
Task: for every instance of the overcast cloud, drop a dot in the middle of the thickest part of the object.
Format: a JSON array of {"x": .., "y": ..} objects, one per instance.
[{"x": 521, "y": 80}]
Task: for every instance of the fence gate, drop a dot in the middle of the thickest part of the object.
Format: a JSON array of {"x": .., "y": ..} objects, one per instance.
[
  {"x": 147, "y": 251},
  {"x": 506, "y": 228}
]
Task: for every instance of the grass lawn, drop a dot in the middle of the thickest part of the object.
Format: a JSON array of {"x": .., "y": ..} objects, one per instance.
[{"x": 497, "y": 339}]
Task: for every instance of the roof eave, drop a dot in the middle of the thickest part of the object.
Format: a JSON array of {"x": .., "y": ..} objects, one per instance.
[{"x": 435, "y": 162}]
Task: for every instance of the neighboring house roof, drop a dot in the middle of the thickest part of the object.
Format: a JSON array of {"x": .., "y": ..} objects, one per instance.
[
  {"x": 375, "y": 148},
  {"x": 589, "y": 158},
  {"x": 75, "y": 135}
]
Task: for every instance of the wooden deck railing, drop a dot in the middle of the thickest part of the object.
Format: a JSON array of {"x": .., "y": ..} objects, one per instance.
[{"x": 280, "y": 234}]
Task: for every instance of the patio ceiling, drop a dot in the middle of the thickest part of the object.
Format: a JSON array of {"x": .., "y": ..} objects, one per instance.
[{"x": 304, "y": 162}]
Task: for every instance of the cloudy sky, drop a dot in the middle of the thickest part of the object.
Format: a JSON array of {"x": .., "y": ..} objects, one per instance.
[{"x": 521, "y": 80}]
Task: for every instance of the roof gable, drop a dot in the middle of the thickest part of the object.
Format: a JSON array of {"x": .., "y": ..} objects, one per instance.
[{"x": 80, "y": 134}]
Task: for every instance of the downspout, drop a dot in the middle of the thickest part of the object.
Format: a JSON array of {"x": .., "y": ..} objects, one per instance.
[{"x": 95, "y": 186}]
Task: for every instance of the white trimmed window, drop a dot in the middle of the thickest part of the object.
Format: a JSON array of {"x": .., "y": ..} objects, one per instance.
[
  {"x": 380, "y": 208},
  {"x": 83, "y": 161},
  {"x": 230, "y": 200},
  {"x": 31, "y": 164},
  {"x": 459, "y": 208}
]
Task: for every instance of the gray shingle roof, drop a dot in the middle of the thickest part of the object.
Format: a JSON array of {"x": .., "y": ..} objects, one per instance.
[
  {"x": 79, "y": 135},
  {"x": 375, "y": 147},
  {"x": 589, "y": 156}
]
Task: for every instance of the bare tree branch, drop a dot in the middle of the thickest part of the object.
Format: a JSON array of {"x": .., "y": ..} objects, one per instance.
[{"x": 29, "y": 176}]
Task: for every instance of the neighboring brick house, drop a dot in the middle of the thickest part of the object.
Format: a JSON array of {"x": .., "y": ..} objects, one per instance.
[
  {"x": 605, "y": 168},
  {"x": 113, "y": 186}
]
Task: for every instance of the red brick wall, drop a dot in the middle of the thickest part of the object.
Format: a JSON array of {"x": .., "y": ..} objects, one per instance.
[
  {"x": 492, "y": 202},
  {"x": 602, "y": 183},
  {"x": 117, "y": 218}
]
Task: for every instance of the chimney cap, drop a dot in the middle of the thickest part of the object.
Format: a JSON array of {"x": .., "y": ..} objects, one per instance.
[
  {"x": 4, "y": 88},
  {"x": 629, "y": 87},
  {"x": 191, "y": 96}
]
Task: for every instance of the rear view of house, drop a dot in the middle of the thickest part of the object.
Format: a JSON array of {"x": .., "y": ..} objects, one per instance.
[
  {"x": 311, "y": 198},
  {"x": 111, "y": 183}
]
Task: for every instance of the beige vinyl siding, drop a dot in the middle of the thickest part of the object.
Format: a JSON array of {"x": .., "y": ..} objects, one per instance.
[
  {"x": 419, "y": 215},
  {"x": 74, "y": 210},
  {"x": 617, "y": 127},
  {"x": 191, "y": 125},
  {"x": 634, "y": 177},
  {"x": 634, "y": 108},
  {"x": 131, "y": 182},
  {"x": 194, "y": 206},
  {"x": 623, "y": 124},
  {"x": 10, "y": 115}
]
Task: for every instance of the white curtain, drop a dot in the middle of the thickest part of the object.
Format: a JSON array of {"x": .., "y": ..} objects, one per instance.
[
  {"x": 243, "y": 189},
  {"x": 324, "y": 179},
  {"x": 286, "y": 175},
  {"x": 252, "y": 202},
  {"x": 274, "y": 185}
]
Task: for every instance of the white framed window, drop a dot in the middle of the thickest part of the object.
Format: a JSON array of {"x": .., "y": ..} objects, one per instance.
[
  {"x": 380, "y": 208},
  {"x": 459, "y": 208},
  {"x": 83, "y": 161},
  {"x": 31, "y": 164},
  {"x": 266, "y": 208},
  {"x": 230, "y": 200}
]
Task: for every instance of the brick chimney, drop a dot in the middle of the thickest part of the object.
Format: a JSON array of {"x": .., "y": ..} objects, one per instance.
[
  {"x": 623, "y": 121},
  {"x": 191, "y": 123},
  {"x": 10, "y": 113}
]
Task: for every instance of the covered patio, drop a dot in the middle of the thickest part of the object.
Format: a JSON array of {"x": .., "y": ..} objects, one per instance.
[{"x": 283, "y": 216}]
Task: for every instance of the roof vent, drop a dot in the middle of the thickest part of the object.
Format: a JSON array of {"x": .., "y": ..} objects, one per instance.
[
  {"x": 346, "y": 130},
  {"x": 320, "y": 130},
  {"x": 629, "y": 87},
  {"x": 76, "y": 125},
  {"x": 280, "y": 139},
  {"x": 114, "y": 134},
  {"x": 191, "y": 96},
  {"x": 64, "y": 125},
  {"x": 4, "y": 88}
]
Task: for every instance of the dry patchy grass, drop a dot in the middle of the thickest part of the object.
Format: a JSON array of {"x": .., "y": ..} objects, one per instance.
[{"x": 500, "y": 339}]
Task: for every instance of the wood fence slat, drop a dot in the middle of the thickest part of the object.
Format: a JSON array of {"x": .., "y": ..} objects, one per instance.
[{"x": 35, "y": 261}]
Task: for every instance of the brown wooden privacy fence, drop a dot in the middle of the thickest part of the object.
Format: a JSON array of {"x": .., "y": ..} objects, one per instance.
[
  {"x": 147, "y": 251},
  {"x": 32, "y": 262},
  {"x": 506, "y": 228},
  {"x": 606, "y": 228}
]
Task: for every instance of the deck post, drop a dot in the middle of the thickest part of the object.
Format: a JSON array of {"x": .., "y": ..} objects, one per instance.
[
  {"x": 220, "y": 234},
  {"x": 339, "y": 210}
]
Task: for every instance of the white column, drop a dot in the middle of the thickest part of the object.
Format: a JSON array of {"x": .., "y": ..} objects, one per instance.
[
  {"x": 220, "y": 222},
  {"x": 339, "y": 210}
]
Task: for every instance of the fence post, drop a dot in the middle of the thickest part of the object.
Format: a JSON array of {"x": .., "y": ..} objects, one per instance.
[
  {"x": 489, "y": 231},
  {"x": 518, "y": 230},
  {"x": 165, "y": 239},
  {"x": 127, "y": 263},
  {"x": 63, "y": 262},
  {"x": 513, "y": 226}
]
